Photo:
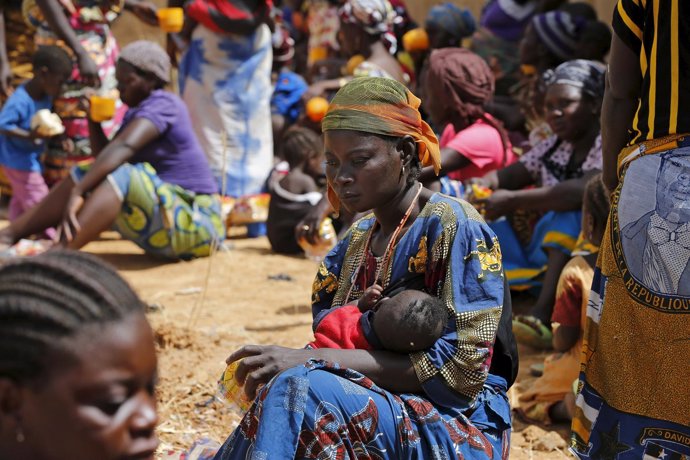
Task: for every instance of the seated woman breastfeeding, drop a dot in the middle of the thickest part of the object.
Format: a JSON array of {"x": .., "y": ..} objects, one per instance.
[
  {"x": 557, "y": 169},
  {"x": 152, "y": 180},
  {"x": 448, "y": 400}
]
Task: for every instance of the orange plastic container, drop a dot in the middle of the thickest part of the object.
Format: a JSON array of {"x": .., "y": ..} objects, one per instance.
[
  {"x": 171, "y": 20},
  {"x": 415, "y": 40},
  {"x": 102, "y": 108}
]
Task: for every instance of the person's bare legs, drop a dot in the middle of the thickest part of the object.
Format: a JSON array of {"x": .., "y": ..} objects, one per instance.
[
  {"x": 48, "y": 213},
  {"x": 543, "y": 308},
  {"x": 97, "y": 214}
]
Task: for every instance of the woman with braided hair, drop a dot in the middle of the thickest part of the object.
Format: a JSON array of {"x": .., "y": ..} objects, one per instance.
[{"x": 57, "y": 312}]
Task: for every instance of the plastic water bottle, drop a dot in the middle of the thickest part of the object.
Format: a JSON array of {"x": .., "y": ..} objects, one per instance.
[
  {"x": 230, "y": 391},
  {"x": 326, "y": 241}
]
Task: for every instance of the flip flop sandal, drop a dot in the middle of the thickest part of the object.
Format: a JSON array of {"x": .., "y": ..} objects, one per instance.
[{"x": 531, "y": 331}]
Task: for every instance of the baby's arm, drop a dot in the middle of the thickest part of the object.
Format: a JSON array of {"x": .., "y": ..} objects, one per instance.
[{"x": 371, "y": 296}]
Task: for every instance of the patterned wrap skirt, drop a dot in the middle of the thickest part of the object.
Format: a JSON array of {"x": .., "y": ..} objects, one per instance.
[
  {"x": 320, "y": 411},
  {"x": 633, "y": 399},
  {"x": 163, "y": 219}
]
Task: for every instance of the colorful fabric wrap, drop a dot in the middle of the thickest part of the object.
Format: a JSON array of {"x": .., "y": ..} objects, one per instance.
[
  {"x": 580, "y": 73},
  {"x": 559, "y": 32},
  {"x": 524, "y": 263},
  {"x": 90, "y": 21},
  {"x": 455, "y": 21},
  {"x": 163, "y": 219},
  {"x": 385, "y": 107},
  {"x": 638, "y": 314},
  {"x": 222, "y": 16},
  {"x": 376, "y": 17},
  {"x": 465, "y": 79}
]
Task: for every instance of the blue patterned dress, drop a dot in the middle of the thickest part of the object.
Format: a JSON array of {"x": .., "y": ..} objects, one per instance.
[
  {"x": 225, "y": 80},
  {"x": 321, "y": 411}
]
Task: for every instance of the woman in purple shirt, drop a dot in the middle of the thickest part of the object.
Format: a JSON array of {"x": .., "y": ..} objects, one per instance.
[{"x": 151, "y": 182}]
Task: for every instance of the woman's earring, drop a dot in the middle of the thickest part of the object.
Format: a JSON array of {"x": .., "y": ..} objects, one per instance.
[{"x": 403, "y": 170}]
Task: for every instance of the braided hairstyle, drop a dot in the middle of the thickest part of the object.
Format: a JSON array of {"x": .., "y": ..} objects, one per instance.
[{"x": 52, "y": 297}]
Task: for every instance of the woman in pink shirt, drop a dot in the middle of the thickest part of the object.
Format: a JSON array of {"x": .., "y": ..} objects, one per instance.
[{"x": 458, "y": 84}]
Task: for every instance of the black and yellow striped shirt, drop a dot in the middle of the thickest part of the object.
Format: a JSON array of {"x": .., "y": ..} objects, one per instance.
[{"x": 659, "y": 32}]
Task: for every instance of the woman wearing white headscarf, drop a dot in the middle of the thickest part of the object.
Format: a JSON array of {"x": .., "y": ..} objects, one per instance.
[{"x": 366, "y": 29}]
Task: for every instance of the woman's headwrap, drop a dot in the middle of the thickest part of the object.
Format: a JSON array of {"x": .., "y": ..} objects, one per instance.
[
  {"x": 149, "y": 57},
  {"x": 376, "y": 17},
  {"x": 559, "y": 31},
  {"x": 384, "y": 107},
  {"x": 466, "y": 81},
  {"x": 580, "y": 73},
  {"x": 455, "y": 21}
]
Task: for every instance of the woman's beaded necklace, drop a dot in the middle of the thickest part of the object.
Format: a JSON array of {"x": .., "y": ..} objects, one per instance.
[{"x": 390, "y": 247}]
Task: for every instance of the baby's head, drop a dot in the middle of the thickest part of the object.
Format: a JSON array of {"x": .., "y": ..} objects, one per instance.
[
  {"x": 303, "y": 148},
  {"x": 409, "y": 321}
]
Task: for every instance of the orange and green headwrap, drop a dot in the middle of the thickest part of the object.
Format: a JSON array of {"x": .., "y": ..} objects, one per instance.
[{"x": 385, "y": 107}]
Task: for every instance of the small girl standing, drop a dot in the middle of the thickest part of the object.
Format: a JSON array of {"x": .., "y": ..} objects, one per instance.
[
  {"x": 21, "y": 146},
  {"x": 551, "y": 398}
]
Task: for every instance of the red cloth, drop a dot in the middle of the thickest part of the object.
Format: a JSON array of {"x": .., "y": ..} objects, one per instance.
[
  {"x": 341, "y": 329},
  {"x": 230, "y": 16},
  {"x": 481, "y": 144},
  {"x": 568, "y": 307}
]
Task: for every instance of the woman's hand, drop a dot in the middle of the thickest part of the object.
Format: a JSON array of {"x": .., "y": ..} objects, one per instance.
[
  {"x": 500, "y": 203},
  {"x": 308, "y": 228},
  {"x": 70, "y": 225},
  {"x": 260, "y": 363},
  {"x": 88, "y": 70}
]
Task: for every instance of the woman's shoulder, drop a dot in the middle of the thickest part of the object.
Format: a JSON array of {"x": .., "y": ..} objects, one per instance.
[
  {"x": 163, "y": 108},
  {"x": 547, "y": 142},
  {"x": 540, "y": 148},
  {"x": 449, "y": 213},
  {"x": 161, "y": 99}
]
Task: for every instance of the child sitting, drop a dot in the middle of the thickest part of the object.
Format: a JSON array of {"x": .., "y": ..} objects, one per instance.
[
  {"x": 295, "y": 193},
  {"x": 20, "y": 145},
  {"x": 405, "y": 322},
  {"x": 551, "y": 397}
]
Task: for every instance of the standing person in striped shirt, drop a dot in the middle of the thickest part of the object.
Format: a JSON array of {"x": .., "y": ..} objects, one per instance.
[{"x": 633, "y": 394}]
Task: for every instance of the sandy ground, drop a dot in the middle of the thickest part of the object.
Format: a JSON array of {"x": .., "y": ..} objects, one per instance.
[{"x": 204, "y": 309}]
